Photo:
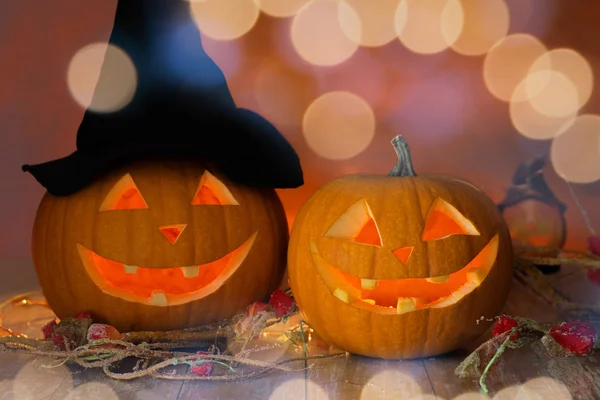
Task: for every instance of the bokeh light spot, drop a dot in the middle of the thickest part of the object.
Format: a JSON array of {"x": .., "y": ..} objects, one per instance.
[
  {"x": 472, "y": 396},
  {"x": 558, "y": 97},
  {"x": 317, "y": 35},
  {"x": 298, "y": 389},
  {"x": 339, "y": 125},
  {"x": 572, "y": 65},
  {"x": 508, "y": 393},
  {"x": 485, "y": 23},
  {"x": 545, "y": 388},
  {"x": 426, "y": 396},
  {"x": 280, "y": 8},
  {"x": 390, "y": 385},
  {"x": 428, "y": 27},
  {"x": 377, "y": 21},
  {"x": 528, "y": 120},
  {"x": 575, "y": 154},
  {"x": 47, "y": 380},
  {"x": 225, "y": 19},
  {"x": 93, "y": 391},
  {"x": 104, "y": 92},
  {"x": 507, "y": 64}
]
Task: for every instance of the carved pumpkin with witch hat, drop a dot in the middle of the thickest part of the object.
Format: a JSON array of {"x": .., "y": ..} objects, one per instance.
[
  {"x": 165, "y": 216},
  {"x": 533, "y": 213}
]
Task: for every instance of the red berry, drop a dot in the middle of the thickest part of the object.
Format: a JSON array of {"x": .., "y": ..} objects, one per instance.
[
  {"x": 203, "y": 369},
  {"x": 255, "y": 308},
  {"x": 577, "y": 337},
  {"x": 102, "y": 331},
  {"x": 594, "y": 276},
  {"x": 506, "y": 324},
  {"x": 594, "y": 244},
  {"x": 281, "y": 303},
  {"x": 48, "y": 329},
  {"x": 83, "y": 314},
  {"x": 59, "y": 340}
]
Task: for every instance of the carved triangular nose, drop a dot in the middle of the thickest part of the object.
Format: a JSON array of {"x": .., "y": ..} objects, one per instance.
[
  {"x": 404, "y": 253},
  {"x": 172, "y": 232}
]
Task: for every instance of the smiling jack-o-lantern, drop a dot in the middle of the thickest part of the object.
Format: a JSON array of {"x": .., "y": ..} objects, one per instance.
[
  {"x": 159, "y": 245},
  {"x": 399, "y": 266}
]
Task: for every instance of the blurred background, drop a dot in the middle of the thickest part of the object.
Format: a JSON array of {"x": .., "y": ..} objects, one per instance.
[{"x": 476, "y": 86}]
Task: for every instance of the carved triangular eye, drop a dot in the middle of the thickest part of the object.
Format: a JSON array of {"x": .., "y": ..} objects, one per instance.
[
  {"x": 445, "y": 220},
  {"x": 124, "y": 195},
  {"x": 356, "y": 224},
  {"x": 211, "y": 191}
]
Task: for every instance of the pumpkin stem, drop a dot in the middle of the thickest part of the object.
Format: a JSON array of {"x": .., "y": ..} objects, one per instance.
[{"x": 404, "y": 165}]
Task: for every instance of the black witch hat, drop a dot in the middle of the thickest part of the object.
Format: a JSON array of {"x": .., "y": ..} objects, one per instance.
[
  {"x": 528, "y": 183},
  {"x": 182, "y": 107}
]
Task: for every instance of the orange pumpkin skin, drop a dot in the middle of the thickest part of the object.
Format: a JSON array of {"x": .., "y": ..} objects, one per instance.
[
  {"x": 68, "y": 229},
  {"x": 399, "y": 207}
]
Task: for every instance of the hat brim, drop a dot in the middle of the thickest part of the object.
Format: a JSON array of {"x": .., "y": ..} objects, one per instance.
[
  {"x": 252, "y": 153},
  {"x": 67, "y": 175}
]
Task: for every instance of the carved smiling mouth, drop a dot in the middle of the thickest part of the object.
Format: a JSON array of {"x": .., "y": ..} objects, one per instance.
[
  {"x": 398, "y": 296},
  {"x": 162, "y": 286}
]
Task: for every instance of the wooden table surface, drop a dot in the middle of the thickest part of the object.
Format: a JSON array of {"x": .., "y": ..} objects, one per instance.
[{"x": 527, "y": 373}]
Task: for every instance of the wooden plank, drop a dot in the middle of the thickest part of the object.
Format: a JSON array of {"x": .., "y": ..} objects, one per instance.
[
  {"x": 580, "y": 375},
  {"x": 25, "y": 377},
  {"x": 515, "y": 366},
  {"x": 93, "y": 384},
  {"x": 338, "y": 378},
  {"x": 271, "y": 347},
  {"x": 261, "y": 388},
  {"x": 574, "y": 284},
  {"x": 522, "y": 302},
  {"x": 356, "y": 377}
]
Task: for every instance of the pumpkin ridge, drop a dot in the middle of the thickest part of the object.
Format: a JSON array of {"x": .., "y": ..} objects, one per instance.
[{"x": 65, "y": 252}]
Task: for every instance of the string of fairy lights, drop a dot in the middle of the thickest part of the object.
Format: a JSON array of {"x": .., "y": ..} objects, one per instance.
[{"x": 544, "y": 89}]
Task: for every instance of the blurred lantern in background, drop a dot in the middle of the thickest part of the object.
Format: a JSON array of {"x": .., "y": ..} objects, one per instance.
[{"x": 533, "y": 214}]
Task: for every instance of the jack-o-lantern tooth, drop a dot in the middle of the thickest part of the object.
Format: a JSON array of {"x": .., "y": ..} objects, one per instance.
[
  {"x": 419, "y": 301},
  {"x": 368, "y": 284},
  {"x": 158, "y": 299},
  {"x": 190, "y": 272},
  {"x": 342, "y": 295},
  {"x": 476, "y": 275},
  {"x": 438, "y": 279},
  {"x": 130, "y": 269},
  {"x": 405, "y": 305},
  {"x": 369, "y": 301}
]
